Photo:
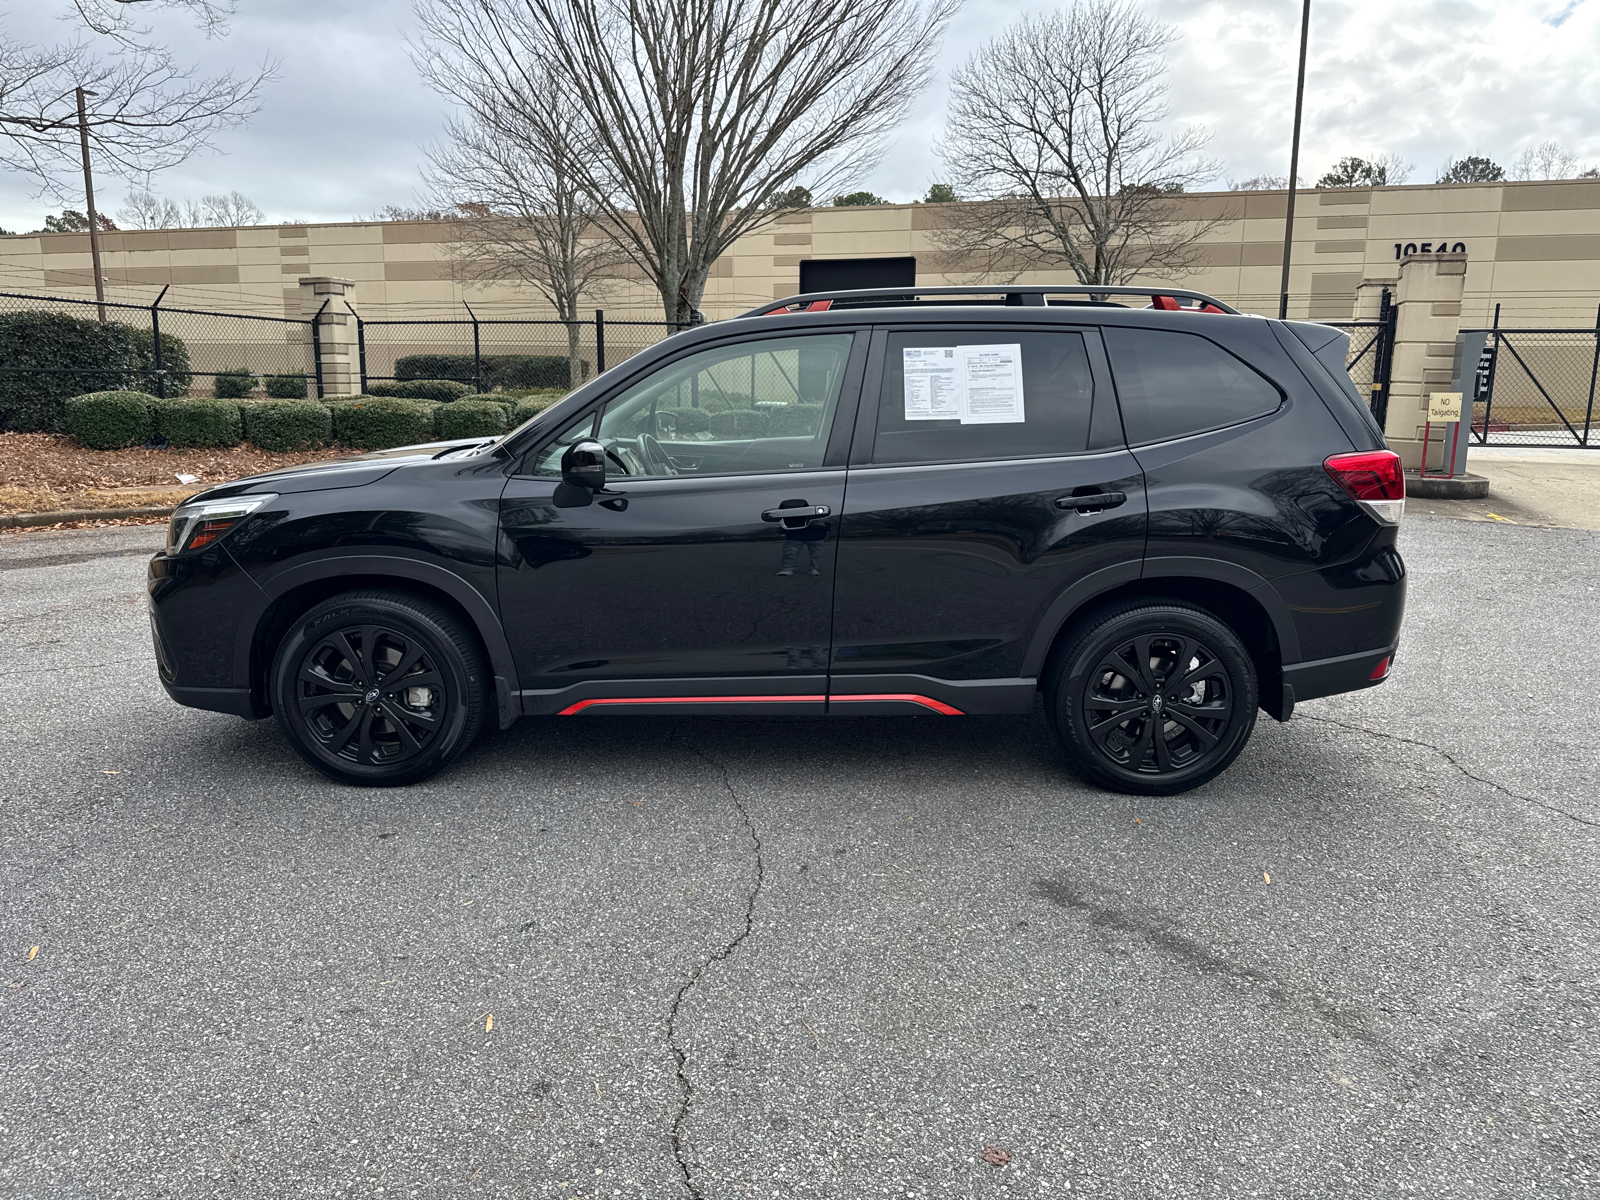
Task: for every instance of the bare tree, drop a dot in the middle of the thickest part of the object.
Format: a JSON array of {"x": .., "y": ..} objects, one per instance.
[
  {"x": 146, "y": 114},
  {"x": 1263, "y": 183},
  {"x": 1547, "y": 160},
  {"x": 519, "y": 212},
  {"x": 144, "y": 210},
  {"x": 689, "y": 117},
  {"x": 1054, "y": 128}
]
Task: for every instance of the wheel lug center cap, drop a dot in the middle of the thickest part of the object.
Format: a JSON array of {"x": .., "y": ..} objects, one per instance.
[
  {"x": 371, "y": 697},
  {"x": 1155, "y": 703}
]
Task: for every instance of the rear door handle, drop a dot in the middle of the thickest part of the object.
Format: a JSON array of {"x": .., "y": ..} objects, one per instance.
[
  {"x": 796, "y": 513},
  {"x": 1092, "y": 502}
]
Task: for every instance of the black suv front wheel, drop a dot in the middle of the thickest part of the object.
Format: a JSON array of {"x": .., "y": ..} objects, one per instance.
[
  {"x": 379, "y": 688},
  {"x": 1152, "y": 697}
]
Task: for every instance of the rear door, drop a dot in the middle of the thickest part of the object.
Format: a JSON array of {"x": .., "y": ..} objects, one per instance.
[{"x": 988, "y": 479}]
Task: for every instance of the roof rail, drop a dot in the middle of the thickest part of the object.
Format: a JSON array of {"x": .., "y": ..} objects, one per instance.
[{"x": 1027, "y": 295}]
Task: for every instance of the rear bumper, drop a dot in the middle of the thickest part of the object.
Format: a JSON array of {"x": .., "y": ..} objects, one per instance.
[{"x": 1330, "y": 676}]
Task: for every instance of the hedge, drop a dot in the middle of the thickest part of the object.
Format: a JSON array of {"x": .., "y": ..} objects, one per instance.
[
  {"x": 233, "y": 385},
  {"x": 739, "y": 423},
  {"x": 286, "y": 387},
  {"x": 379, "y": 422},
  {"x": 190, "y": 424},
  {"x": 470, "y": 418},
  {"x": 440, "y": 391},
  {"x": 174, "y": 361},
  {"x": 283, "y": 425},
  {"x": 689, "y": 421},
  {"x": 110, "y": 420},
  {"x": 794, "y": 420},
  {"x": 500, "y": 371},
  {"x": 58, "y": 357}
]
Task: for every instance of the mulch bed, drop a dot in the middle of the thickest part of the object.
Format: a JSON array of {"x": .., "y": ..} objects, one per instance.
[{"x": 57, "y": 463}]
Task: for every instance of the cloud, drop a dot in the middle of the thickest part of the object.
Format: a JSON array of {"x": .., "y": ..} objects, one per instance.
[{"x": 339, "y": 135}]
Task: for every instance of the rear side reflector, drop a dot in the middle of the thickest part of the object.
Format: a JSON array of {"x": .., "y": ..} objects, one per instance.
[
  {"x": 1381, "y": 671},
  {"x": 1374, "y": 479}
]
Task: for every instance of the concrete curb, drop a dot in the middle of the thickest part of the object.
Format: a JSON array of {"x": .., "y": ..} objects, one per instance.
[
  {"x": 1459, "y": 487},
  {"x": 15, "y": 520}
]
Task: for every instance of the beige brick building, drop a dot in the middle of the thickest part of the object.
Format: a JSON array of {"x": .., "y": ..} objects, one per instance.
[{"x": 1532, "y": 247}]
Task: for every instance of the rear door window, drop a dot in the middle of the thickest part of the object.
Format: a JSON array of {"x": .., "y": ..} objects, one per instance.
[
  {"x": 1172, "y": 384},
  {"x": 968, "y": 395}
]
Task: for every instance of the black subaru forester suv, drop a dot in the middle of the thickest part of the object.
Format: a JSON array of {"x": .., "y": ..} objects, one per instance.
[{"x": 929, "y": 502}]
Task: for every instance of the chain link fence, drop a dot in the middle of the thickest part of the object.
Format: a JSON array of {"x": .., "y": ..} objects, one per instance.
[{"x": 1537, "y": 388}]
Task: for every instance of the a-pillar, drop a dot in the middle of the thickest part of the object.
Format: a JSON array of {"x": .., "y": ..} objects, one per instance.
[
  {"x": 331, "y": 303},
  {"x": 1429, "y": 299}
]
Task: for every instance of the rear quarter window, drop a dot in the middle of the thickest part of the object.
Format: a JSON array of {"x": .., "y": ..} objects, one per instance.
[{"x": 1173, "y": 384}]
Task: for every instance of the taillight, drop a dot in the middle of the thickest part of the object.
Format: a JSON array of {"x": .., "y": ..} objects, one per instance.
[{"x": 1374, "y": 479}]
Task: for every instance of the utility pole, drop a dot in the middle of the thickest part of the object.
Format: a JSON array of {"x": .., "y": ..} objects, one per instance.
[
  {"x": 1294, "y": 162},
  {"x": 88, "y": 193}
]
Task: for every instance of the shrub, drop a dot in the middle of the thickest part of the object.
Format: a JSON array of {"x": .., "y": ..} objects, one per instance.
[
  {"x": 440, "y": 391},
  {"x": 189, "y": 424},
  {"x": 110, "y": 420},
  {"x": 470, "y": 418},
  {"x": 522, "y": 410},
  {"x": 283, "y": 425},
  {"x": 739, "y": 423},
  {"x": 379, "y": 422},
  {"x": 434, "y": 366},
  {"x": 794, "y": 420},
  {"x": 233, "y": 385},
  {"x": 690, "y": 421},
  {"x": 71, "y": 355},
  {"x": 512, "y": 371},
  {"x": 174, "y": 361},
  {"x": 504, "y": 401},
  {"x": 286, "y": 387},
  {"x": 501, "y": 372}
]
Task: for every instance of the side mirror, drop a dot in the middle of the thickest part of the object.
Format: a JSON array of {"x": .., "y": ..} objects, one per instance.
[{"x": 584, "y": 465}]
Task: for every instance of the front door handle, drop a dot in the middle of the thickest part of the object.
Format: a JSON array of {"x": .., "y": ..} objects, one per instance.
[
  {"x": 1092, "y": 502},
  {"x": 800, "y": 515}
]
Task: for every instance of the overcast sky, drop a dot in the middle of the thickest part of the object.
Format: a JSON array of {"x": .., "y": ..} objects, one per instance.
[{"x": 338, "y": 135}]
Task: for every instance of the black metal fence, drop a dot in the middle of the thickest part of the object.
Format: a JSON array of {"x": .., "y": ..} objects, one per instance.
[
  {"x": 181, "y": 351},
  {"x": 490, "y": 352},
  {"x": 1536, "y": 387}
]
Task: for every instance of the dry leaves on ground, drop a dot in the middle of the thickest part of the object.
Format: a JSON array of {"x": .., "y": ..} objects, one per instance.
[
  {"x": 996, "y": 1157},
  {"x": 52, "y": 471}
]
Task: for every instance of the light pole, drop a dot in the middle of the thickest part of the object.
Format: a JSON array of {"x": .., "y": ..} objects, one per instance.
[
  {"x": 1294, "y": 162},
  {"x": 88, "y": 193}
]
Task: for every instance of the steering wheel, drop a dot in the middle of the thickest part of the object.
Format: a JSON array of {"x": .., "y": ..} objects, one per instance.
[{"x": 655, "y": 455}]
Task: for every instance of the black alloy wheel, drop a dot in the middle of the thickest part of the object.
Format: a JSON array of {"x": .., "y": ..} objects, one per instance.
[
  {"x": 1153, "y": 697},
  {"x": 379, "y": 688}
]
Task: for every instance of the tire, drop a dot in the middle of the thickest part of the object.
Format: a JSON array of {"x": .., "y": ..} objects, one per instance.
[
  {"x": 363, "y": 723},
  {"x": 1123, "y": 660}
]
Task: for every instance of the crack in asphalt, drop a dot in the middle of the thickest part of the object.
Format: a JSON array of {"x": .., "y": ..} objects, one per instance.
[
  {"x": 1450, "y": 758},
  {"x": 719, "y": 955}
]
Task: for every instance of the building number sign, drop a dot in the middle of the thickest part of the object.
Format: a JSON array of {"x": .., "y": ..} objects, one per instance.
[{"x": 1401, "y": 249}]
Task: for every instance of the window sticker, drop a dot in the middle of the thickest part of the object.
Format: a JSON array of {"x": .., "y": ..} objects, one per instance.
[
  {"x": 993, "y": 379},
  {"x": 976, "y": 385},
  {"x": 933, "y": 383}
]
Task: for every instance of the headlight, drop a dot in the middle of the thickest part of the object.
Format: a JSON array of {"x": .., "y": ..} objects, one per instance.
[{"x": 196, "y": 526}]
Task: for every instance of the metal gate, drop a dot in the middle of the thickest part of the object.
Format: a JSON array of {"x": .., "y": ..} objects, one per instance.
[
  {"x": 1536, "y": 387},
  {"x": 1371, "y": 354}
]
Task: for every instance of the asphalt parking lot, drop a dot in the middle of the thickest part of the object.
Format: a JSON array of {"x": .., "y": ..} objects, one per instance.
[{"x": 829, "y": 958}]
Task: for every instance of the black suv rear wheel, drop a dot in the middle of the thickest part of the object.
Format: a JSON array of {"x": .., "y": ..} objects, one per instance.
[
  {"x": 1152, "y": 697},
  {"x": 378, "y": 688}
]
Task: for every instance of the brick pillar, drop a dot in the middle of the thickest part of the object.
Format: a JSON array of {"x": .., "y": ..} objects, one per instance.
[
  {"x": 1429, "y": 297},
  {"x": 336, "y": 327}
]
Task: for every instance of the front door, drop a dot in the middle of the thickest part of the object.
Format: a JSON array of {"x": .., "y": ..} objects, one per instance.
[
  {"x": 989, "y": 479},
  {"x": 687, "y": 571}
]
